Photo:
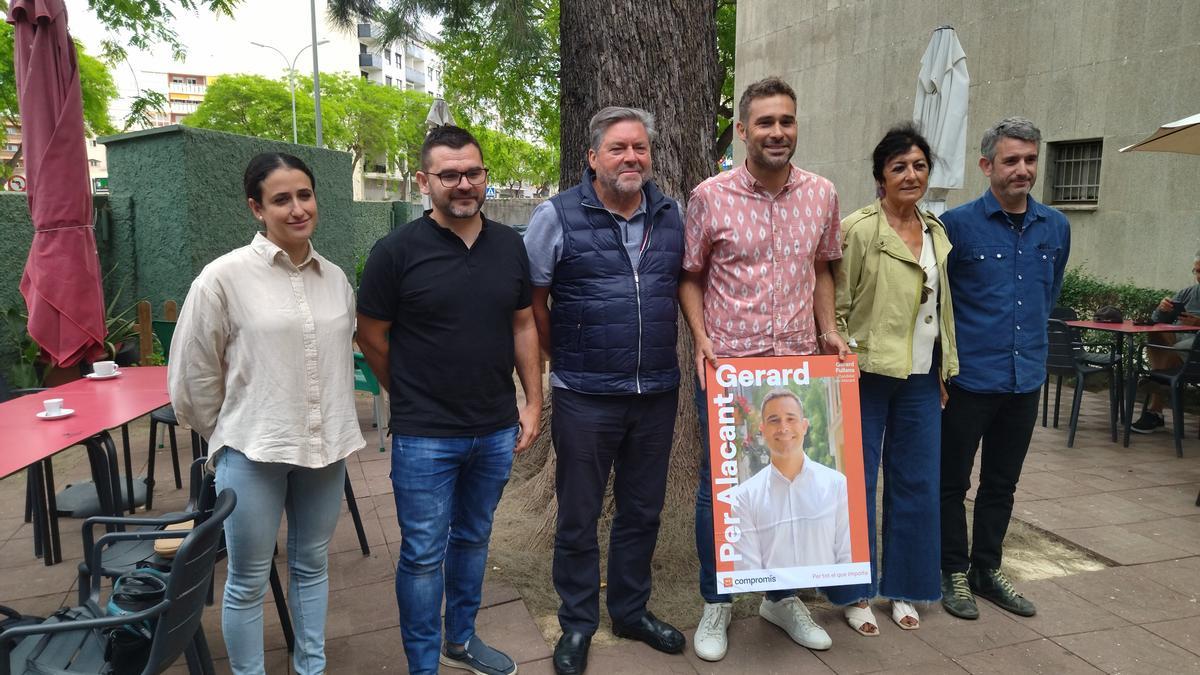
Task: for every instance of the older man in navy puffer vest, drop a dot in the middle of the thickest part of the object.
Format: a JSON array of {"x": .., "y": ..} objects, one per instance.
[{"x": 609, "y": 251}]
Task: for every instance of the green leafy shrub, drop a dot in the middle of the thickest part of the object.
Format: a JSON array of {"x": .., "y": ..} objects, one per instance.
[{"x": 1085, "y": 293}]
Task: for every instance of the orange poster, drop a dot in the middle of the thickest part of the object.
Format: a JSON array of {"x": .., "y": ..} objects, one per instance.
[{"x": 789, "y": 504}]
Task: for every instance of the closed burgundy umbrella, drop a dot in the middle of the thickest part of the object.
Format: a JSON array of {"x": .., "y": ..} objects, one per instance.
[{"x": 61, "y": 283}]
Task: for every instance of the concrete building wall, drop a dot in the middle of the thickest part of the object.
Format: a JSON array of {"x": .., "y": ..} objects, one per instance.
[{"x": 1080, "y": 69}]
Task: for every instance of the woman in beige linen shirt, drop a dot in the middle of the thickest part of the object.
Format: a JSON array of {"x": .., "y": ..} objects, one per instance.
[{"x": 261, "y": 365}]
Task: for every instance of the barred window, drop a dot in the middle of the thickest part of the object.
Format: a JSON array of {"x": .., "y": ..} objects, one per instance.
[{"x": 1075, "y": 172}]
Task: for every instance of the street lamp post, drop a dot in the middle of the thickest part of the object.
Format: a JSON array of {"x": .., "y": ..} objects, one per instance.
[{"x": 291, "y": 78}]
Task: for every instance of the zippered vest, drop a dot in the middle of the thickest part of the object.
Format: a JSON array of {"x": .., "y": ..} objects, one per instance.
[{"x": 613, "y": 329}]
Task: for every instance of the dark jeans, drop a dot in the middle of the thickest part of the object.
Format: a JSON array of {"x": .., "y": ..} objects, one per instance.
[
  {"x": 1004, "y": 422},
  {"x": 446, "y": 491},
  {"x": 594, "y": 436},
  {"x": 901, "y": 427},
  {"x": 706, "y": 551}
]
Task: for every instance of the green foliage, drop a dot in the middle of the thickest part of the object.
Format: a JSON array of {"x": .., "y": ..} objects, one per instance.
[
  {"x": 143, "y": 109},
  {"x": 370, "y": 121},
  {"x": 24, "y": 373},
  {"x": 1085, "y": 293},
  {"x": 512, "y": 161},
  {"x": 142, "y": 24}
]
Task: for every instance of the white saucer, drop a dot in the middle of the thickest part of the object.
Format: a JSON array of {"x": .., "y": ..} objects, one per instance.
[
  {"x": 65, "y": 412},
  {"x": 97, "y": 376}
]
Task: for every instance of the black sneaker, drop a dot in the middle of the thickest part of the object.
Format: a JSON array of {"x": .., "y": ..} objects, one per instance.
[
  {"x": 478, "y": 658},
  {"x": 1147, "y": 423},
  {"x": 956, "y": 596},
  {"x": 993, "y": 585}
]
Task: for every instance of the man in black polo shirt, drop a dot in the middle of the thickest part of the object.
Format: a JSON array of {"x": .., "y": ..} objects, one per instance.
[{"x": 443, "y": 316}]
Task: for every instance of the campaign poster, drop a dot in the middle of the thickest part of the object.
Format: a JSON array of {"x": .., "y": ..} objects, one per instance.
[{"x": 789, "y": 502}]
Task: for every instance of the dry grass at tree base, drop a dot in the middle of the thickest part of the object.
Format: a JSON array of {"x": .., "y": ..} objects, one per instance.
[{"x": 522, "y": 559}]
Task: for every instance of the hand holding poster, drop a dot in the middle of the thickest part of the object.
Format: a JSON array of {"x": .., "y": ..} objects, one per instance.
[{"x": 789, "y": 503}]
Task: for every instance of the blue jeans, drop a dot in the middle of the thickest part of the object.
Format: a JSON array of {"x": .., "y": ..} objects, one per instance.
[
  {"x": 312, "y": 499},
  {"x": 901, "y": 423},
  {"x": 705, "y": 549},
  {"x": 446, "y": 492}
]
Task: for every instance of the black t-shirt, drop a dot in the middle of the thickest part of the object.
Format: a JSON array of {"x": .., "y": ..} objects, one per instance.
[
  {"x": 451, "y": 340},
  {"x": 1017, "y": 220}
]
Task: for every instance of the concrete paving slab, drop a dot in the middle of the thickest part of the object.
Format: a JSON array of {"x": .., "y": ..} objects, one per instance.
[
  {"x": 957, "y": 637},
  {"x": 892, "y": 650},
  {"x": 635, "y": 658},
  {"x": 1061, "y": 612},
  {"x": 1038, "y": 656},
  {"x": 1130, "y": 595},
  {"x": 1180, "y": 632},
  {"x": 759, "y": 647},
  {"x": 1123, "y": 544},
  {"x": 510, "y": 628},
  {"x": 1182, "y": 576},
  {"x": 1130, "y": 650},
  {"x": 1175, "y": 500}
]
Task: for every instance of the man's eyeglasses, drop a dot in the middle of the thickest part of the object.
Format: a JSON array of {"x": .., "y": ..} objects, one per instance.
[{"x": 452, "y": 178}]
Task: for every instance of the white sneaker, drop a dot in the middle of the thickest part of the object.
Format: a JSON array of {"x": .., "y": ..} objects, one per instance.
[
  {"x": 792, "y": 616},
  {"x": 711, "y": 640}
]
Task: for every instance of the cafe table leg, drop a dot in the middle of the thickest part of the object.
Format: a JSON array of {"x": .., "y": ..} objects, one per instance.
[
  {"x": 1131, "y": 376},
  {"x": 52, "y": 511},
  {"x": 128, "y": 468}
]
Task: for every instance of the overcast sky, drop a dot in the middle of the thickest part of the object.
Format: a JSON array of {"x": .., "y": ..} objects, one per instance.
[{"x": 220, "y": 44}]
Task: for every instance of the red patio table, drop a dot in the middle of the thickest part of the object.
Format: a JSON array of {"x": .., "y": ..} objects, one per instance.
[
  {"x": 99, "y": 405},
  {"x": 1126, "y": 353}
]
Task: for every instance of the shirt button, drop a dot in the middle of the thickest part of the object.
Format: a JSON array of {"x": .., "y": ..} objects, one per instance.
[
  {"x": 1015, "y": 352},
  {"x": 1018, "y": 328},
  {"x": 1043, "y": 257},
  {"x": 999, "y": 256},
  {"x": 929, "y": 319},
  {"x": 1019, "y": 277},
  {"x": 1018, "y": 302},
  {"x": 1018, "y": 251}
]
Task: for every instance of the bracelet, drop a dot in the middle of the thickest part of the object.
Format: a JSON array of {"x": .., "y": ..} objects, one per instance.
[{"x": 823, "y": 336}]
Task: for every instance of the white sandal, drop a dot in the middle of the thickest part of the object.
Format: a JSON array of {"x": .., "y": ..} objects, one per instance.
[
  {"x": 902, "y": 610},
  {"x": 857, "y": 617}
]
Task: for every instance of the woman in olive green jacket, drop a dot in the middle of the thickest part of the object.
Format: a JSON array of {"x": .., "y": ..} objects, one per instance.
[{"x": 893, "y": 307}]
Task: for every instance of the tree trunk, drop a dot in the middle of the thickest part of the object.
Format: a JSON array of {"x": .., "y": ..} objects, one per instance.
[{"x": 662, "y": 57}]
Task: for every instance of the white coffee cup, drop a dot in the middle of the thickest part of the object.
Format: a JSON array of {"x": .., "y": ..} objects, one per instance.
[
  {"x": 53, "y": 406},
  {"x": 104, "y": 368}
]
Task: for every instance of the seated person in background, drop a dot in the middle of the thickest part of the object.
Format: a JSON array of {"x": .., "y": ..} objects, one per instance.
[
  {"x": 793, "y": 513},
  {"x": 1177, "y": 346}
]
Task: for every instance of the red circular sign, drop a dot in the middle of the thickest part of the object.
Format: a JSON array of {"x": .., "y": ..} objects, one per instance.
[{"x": 17, "y": 183}]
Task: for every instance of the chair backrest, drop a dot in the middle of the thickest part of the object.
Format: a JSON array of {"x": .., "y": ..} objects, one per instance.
[
  {"x": 187, "y": 587},
  {"x": 164, "y": 331},
  {"x": 364, "y": 379},
  {"x": 1063, "y": 349},
  {"x": 1064, "y": 314},
  {"x": 1191, "y": 361}
]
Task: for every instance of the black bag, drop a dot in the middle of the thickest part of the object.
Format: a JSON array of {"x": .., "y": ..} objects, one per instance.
[
  {"x": 13, "y": 618},
  {"x": 1108, "y": 314},
  {"x": 128, "y": 647}
]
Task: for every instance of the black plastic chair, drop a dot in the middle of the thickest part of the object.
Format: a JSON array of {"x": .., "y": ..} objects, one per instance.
[
  {"x": 1094, "y": 357},
  {"x": 126, "y": 556},
  {"x": 166, "y": 416},
  {"x": 1175, "y": 380},
  {"x": 75, "y": 642},
  {"x": 1065, "y": 359}
]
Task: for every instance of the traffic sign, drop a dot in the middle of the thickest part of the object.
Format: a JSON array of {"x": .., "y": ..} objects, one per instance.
[
  {"x": 490, "y": 193},
  {"x": 17, "y": 183}
]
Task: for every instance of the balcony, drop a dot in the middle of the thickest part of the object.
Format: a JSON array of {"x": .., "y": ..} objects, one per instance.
[
  {"x": 184, "y": 107},
  {"x": 184, "y": 88},
  {"x": 414, "y": 52},
  {"x": 370, "y": 61},
  {"x": 368, "y": 33},
  {"x": 415, "y": 77}
]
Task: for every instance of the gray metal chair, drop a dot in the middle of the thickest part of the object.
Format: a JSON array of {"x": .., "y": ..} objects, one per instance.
[{"x": 74, "y": 640}]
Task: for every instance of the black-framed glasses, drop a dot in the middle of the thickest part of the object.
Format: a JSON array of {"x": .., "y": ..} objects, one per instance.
[
  {"x": 926, "y": 289},
  {"x": 453, "y": 178}
]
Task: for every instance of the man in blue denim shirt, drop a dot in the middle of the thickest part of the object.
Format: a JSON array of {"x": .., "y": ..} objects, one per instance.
[{"x": 1006, "y": 270}]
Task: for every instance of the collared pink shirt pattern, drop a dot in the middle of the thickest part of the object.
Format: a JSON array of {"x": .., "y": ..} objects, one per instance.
[{"x": 759, "y": 251}]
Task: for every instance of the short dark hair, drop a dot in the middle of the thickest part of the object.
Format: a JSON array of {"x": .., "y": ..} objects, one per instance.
[
  {"x": 764, "y": 88},
  {"x": 264, "y": 164},
  {"x": 446, "y": 135},
  {"x": 897, "y": 141},
  {"x": 1019, "y": 128}
]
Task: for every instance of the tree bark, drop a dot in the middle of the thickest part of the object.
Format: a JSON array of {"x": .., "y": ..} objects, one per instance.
[{"x": 662, "y": 57}]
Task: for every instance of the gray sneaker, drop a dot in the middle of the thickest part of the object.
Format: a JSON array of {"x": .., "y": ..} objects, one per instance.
[
  {"x": 995, "y": 586},
  {"x": 478, "y": 658},
  {"x": 957, "y": 598}
]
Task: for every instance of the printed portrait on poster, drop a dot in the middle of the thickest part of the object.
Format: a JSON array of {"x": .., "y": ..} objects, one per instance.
[{"x": 789, "y": 508}]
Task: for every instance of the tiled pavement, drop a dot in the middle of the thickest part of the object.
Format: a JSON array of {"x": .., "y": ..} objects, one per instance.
[{"x": 1134, "y": 508}]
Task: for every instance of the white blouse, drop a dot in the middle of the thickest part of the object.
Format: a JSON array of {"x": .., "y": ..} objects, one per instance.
[
  {"x": 261, "y": 359},
  {"x": 925, "y": 328}
]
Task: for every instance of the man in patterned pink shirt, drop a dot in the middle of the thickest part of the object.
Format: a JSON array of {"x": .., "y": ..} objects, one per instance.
[{"x": 757, "y": 281}]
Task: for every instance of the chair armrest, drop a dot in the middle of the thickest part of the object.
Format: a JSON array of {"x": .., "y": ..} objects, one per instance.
[
  {"x": 113, "y": 537},
  {"x": 10, "y": 635},
  {"x": 89, "y": 525}
]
